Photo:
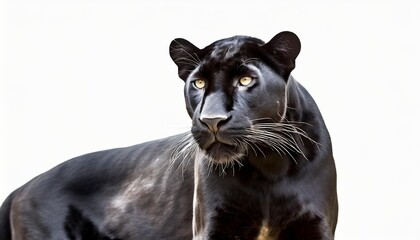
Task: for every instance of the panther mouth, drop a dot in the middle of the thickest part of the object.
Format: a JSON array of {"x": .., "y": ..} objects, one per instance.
[
  {"x": 221, "y": 147},
  {"x": 220, "y": 152}
]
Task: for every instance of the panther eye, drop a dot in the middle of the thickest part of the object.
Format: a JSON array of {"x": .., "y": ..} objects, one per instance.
[
  {"x": 199, "y": 83},
  {"x": 245, "y": 81}
]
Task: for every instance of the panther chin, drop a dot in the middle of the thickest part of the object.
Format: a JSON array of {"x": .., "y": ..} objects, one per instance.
[{"x": 222, "y": 153}]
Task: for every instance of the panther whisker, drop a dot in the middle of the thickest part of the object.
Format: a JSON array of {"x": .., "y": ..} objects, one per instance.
[
  {"x": 274, "y": 145},
  {"x": 281, "y": 137},
  {"x": 185, "y": 148},
  {"x": 249, "y": 140},
  {"x": 272, "y": 136},
  {"x": 247, "y": 145},
  {"x": 289, "y": 127}
]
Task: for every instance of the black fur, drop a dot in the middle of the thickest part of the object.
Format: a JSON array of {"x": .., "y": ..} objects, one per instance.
[
  {"x": 257, "y": 163},
  {"x": 78, "y": 227}
]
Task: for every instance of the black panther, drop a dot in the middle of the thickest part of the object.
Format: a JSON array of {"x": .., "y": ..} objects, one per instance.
[{"x": 257, "y": 163}]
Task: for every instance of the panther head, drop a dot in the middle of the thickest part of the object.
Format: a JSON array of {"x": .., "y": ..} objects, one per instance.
[{"x": 236, "y": 94}]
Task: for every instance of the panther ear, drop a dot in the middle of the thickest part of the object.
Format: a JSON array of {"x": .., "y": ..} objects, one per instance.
[
  {"x": 284, "y": 47},
  {"x": 184, "y": 54}
]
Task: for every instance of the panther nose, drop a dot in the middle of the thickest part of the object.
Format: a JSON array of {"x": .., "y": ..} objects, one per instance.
[{"x": 213, "y": 123}]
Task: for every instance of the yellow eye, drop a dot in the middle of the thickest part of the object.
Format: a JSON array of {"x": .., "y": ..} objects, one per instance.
[
  {"x": 245, "y": 81},
  {"x": 199, "y": 83}
]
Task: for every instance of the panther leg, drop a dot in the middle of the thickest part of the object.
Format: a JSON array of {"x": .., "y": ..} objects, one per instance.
[{"x": 307, "y": 228}]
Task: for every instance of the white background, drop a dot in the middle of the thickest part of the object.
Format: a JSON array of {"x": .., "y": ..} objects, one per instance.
[{"x": 81, "y": 76}]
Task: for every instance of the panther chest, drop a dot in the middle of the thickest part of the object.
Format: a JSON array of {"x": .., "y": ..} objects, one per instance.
[{"x": 266, "y": 232}]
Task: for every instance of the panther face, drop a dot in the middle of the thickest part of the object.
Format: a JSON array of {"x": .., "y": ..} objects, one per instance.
[{"x": 235, "y": 92}]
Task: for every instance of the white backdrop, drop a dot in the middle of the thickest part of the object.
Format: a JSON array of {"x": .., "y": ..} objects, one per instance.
[{"x": 87, "y": 75}]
